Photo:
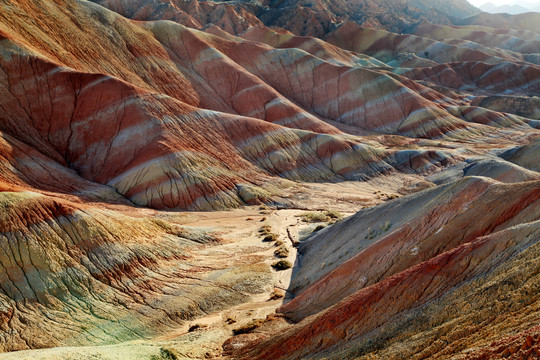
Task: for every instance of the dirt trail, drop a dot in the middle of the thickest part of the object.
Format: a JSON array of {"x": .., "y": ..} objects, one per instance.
[{"x": 241, "y": 234}]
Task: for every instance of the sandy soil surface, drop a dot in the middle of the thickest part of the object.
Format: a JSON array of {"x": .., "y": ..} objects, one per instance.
[{"x": 242, "y": 243}]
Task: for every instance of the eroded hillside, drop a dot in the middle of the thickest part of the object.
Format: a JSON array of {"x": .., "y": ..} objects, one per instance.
[{"x": 119, "y": 119}]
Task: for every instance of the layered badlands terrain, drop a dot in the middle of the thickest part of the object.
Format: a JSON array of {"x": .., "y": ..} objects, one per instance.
[{"x": 144, "y": 144}]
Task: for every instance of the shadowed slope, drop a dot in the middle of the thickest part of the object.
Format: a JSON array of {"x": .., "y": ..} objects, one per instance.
[
  {"x": 525, "y": 156},
  {"x": 302, "y": 17},
  {"x": 195, "y": 14},
  {"x": 375, "y": 247},
  {"x": 373, "y": 281}
]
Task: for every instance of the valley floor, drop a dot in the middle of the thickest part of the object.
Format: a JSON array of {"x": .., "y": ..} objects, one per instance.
[{"x": 242, "y": 243}]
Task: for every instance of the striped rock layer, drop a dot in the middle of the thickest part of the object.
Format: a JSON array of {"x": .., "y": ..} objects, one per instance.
[
  {"x": 90, "y": 275},
  {"x": 110, "y": 110},
  {"x": 302, "y": 17},
  {"x": 436, "y": 280},
  {"x": 178, "y": 118}
]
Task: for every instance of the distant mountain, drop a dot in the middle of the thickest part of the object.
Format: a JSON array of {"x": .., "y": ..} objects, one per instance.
[
  {"x": 513, "y": 9},
  {"x": 302, "y": 17},
  {"x": 529, "y": 21},
  {"x": 392, "y": 15}
]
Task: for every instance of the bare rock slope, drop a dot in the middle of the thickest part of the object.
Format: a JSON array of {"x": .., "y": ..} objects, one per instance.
[
  {"x": 420, "y": 277},
  {"x": 117, "y": 115}
]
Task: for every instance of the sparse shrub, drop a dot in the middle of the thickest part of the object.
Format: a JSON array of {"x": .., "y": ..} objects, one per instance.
[
  {"x": 319, "y": 227},
  {"x": 197, "y": 327},
  {"x": 371, "y": 234},
  {"x": 249, "y": 327},
  {"x": 282, "y": 252},
  {"x": 166, "y": 354},
  {"x": 277, "y": 294},
  {"x": 265, "y": 229},
  {"x": 314, "y": 217},
  {"x": 321, "y": 216},
  {"x": 333, "y": 214},
  {"x": 282, "y": 265},
  {"x": 271, "y": 237},
  {"x": 230, "y": 320},
  {"x": 271, "y": 317},
  {"x": 279, "y": 243},
  {"x": 387, "y": 225},
  {"x": 374, "y": 233}
]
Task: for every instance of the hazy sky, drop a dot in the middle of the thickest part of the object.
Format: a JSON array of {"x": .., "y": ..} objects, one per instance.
[{"x": 498, "y": 2}]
